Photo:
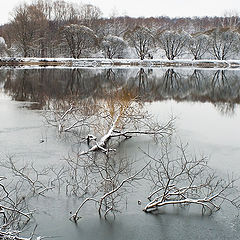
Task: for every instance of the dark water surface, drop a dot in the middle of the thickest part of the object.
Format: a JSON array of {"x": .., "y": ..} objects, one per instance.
[{"x": 206, "y": 104}]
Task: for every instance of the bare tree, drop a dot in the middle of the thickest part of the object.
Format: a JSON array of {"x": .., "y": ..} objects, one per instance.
[
  {"x": 116, "y": 26},
  {"x": 109, "y": 188},
  {"x": 29, "y": 176},
  {"x": 24, "y": 182},
  {"x": 46, "y": 7},
  {"x": 141, "y": 39},
  {"x": 173, "y": 43},
  {"x": 223, "y": 43},
  {"x": 79, "y": 38},
  {"x": 89, "y": 14},
  {"x": 230, "y": 19},
  {"x": 198, "y": 45},
  {"x": 13, "y": 206},
  {"x": 113, "y": 46},
  {"x": 182, "y": 180},
  {"x": 61, "y": 11},
  {"x": 28, "y": 26},
  {"x": 14, "y": 212}
]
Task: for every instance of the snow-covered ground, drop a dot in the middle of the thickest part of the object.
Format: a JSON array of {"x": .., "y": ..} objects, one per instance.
[{"x": 102, "y": 62}]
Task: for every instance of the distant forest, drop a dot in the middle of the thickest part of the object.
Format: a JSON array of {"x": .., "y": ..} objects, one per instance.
[{"x": 47, "y": 28}]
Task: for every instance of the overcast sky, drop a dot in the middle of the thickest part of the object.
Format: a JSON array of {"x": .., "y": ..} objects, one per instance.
[{"x": 147, "y": 8}]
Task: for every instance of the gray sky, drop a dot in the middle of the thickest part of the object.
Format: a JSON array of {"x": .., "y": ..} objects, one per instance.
[{"x": 136, "y": 8}]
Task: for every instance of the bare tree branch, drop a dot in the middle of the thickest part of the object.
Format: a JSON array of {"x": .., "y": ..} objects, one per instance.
[{"x": 182, "y": 180}]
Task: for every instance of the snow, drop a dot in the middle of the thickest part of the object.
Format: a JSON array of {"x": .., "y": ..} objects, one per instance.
[
  {"x": 2, "y": 41},
  {"x": 103, "y": 62}
]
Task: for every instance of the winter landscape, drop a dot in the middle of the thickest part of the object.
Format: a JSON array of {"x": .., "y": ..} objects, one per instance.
[{"x": 118, "y": 127}]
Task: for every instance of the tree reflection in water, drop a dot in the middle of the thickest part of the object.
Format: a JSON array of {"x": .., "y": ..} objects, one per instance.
[{"x": 219, "y": 87}]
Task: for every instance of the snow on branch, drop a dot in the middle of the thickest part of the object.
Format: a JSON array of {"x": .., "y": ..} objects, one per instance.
[
  {"x": 179, "y": 179},
  {"x": 17, "y": 190},
  {"x": 27, "y": 174},
  {"x": 14, "y": 211},
  {"x": 119, "y": 116}
]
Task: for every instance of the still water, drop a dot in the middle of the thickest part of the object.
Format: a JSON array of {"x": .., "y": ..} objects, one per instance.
[{"x": 205, "y": 103}]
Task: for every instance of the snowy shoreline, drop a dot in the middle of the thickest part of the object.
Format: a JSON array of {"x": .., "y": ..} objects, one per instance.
[{"x": 102, "y": 62}]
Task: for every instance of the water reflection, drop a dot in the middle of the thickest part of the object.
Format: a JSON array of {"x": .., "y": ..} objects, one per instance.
[
  {"x": 49, "y": 86},
  {"x": 219, "y": 87}
]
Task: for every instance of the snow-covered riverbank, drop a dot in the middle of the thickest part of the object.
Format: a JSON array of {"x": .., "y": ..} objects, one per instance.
[{"x": 101, "y": 62}]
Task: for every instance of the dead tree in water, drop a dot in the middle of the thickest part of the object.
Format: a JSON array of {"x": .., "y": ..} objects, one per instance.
[
  {"x": 14, "y": 213},
  {"x": 16, "y": 192},
  {"x": 119, "y": 116},
  {"x": 182, "y": 180},
  {"x": 108, "y": 184}
]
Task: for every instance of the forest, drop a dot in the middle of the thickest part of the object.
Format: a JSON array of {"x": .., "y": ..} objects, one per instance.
[{"x": 61, "y": 29}]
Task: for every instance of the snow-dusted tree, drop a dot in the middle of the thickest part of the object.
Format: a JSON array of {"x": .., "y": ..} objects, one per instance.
[
  {"x": 223, "y": 43},
  {"x": 79, "y": 38},
  {"x": 3, "y": 47},
  {"x": 179, "y": 179},
  {"x": 117, "y": 26},
  {"x": 107, "y": 122},
  {"x": 23, "y": 183},
  {"x": 141, "y": 39},
  {"x": 198, "y": 45},
  {"x": 113, "y": 46},
  {"x": 173, "y": 43}
]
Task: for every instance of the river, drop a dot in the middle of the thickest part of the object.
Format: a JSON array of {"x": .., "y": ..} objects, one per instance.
[{"x": 206, "y": 108}]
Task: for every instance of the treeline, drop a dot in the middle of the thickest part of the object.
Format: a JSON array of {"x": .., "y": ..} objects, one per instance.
[{"x": 47, "y": 28}]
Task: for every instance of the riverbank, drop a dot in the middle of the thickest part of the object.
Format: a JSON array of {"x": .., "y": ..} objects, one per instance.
[{"x": 101, "y": 62}]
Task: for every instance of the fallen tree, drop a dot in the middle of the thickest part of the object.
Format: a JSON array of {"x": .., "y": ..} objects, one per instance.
[
  {"x": 183, "y": 180},
  {"x": 119, "y": 116}
]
